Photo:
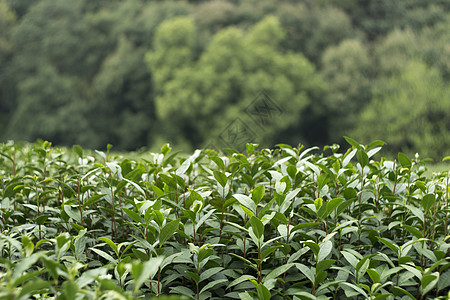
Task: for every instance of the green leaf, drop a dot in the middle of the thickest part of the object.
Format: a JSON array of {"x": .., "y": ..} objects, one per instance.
[
  {"x": 208, "y": 273},
  {"x": 258, "y": 193},
  {"x": 332, "y": 205},
  {"x": 194, "y": 276},
  {"x": 204, "y": 253},
  {"x": 25, "y": 264},
  {"x": 389, "y": 244},
  {"x": 182, "y": 290},
  {"x": 241, "y": 279},
  {"x": 167, "y": 231},
  {"x": 362, "y": 157},
  {"x": 137, "y": 186},
  {"x": 142, "y": 271},
  {"x": 245, "y": 296},
  {"x": 104, "y": 255},
  {"x": 356, "y": 288},
  {"x": 349, "y": 157},
  {"x": 212, "y": 284},
  {"x": 257, "y": 227},
  {"x": 373, "y": 274},
  {"x": 92, "y": 200},
  {"x": 218, "y": 161},
  {"x": 414, "y": 231},
  {"x": 324, "y": 265},
  {"x": 262, "y": 292},
  {"x": 444, "y": 280},
  {"x": 278, "y": 271},
  {"x": 428, "y": 282},
  {"x": 78, "y": 150},
  {"x": 73, "y": 212},
  {"x": 221, "y": 178},
  {"x": 313, "y": 246},
  {"x": 246, "y": 201},
  {"x": 324, "y": 251},
  {"x": 352, "y": 142},
  {"x": 416, "y": 212},
  {"x": 300, "y": 293},
  {"x": 397, "y": 290},
  {"x": 427, "y": 202},
  {"x": 133, "y": 215},
  {"x": 404, "y": 161},
  {"x": 33, "y": 287},
  {"x": 111, "y": 244},
  {"x": 362, "y": 266},
  {"x": 306, "y": 271}
]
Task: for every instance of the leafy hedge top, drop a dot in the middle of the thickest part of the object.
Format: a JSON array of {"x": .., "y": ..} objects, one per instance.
[{"x": 283, "y": 223}]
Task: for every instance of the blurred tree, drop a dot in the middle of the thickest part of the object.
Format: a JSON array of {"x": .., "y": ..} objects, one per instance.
[
  {"x": 7, "y": 92},
  {"x": 435, "y": 45},
  {"x": 21, "y": 7},
  {"x": 122, "y": 109},
  {"x": 311, "y": 28},
  {"x": 395, "y": 50},
  {"x": 346, "y": 69},
  {"x": 155, "y": 13},
  {"x": 216, "y": 15},
  {"x": 48, "y": 108},
  {"x": 206, "y": 95},
  {"x": 333, "y": 25},
  {"x": 173, "y": 49},
  {"x": 47, "y": 34},
  {"x": 411, "y": 114}
]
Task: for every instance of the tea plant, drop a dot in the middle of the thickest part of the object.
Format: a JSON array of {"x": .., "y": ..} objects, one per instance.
[{"x": 283, "y": 223}]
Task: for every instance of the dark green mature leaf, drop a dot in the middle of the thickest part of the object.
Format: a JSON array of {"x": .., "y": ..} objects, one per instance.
[
  {"x": 263, "y": 292},
  {"x": 213, "y": 284},
  {"x": 374, "y": 275},
  {"x": 414, "y": 231},
  {"x": 389, "y": 244},
  {"x": 258, "y": 193},
  {"x": 324, "y": 265},
  {"x": 362, "y": 157},
  {"x": 182, "y": 290},
  {"x": 167, "y": 231},
  {"x": 257, "y": 227},
  {"x": 133, "y": 215},
  {"x": 221, "y": 178},
  {"x": 278, "y": 271},
  {"x": 427, "y": 202},
  {"x": 352, "y": 142},
  {"x": 428, "y": 282},
  {"x": 398, "y": 291},
  {"x": 404, "y": 161}
]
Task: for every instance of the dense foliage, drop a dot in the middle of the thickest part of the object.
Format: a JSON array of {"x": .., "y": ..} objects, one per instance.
[
  {"x": 139, "y": 73},
  {"x": 283, "y": 223}
]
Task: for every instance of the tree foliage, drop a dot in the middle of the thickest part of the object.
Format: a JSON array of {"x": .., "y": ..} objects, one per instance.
[
  {"x": 138, "y": 73},
  {"x": 413, "y": 108}
]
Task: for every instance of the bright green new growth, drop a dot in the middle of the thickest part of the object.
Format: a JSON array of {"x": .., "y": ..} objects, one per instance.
[{"x": 283, "y": 223}]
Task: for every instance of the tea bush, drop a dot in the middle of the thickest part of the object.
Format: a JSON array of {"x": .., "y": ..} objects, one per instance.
[{"x": 283, "y": 223}]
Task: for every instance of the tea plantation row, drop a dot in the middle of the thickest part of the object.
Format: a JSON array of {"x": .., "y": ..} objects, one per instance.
[{"x": 283, "y": 223}]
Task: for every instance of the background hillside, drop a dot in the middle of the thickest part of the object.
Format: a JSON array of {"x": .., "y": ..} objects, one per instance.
[{"x": 220, "y": 73}]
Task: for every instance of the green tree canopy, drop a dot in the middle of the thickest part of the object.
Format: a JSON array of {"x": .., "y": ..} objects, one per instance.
[
  {"x": 346, "y": 69},
  {"x": 203, "y": 96},
  {"x": 411, "y": 114}
]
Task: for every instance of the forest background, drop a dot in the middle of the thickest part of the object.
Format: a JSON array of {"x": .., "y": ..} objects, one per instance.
[{"x": 137, "y": 74}]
